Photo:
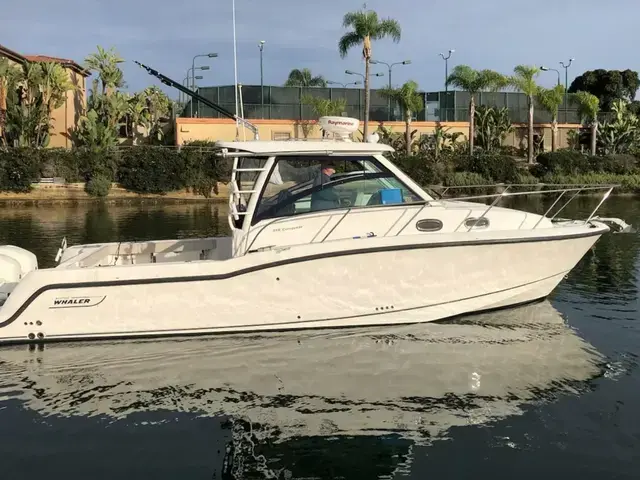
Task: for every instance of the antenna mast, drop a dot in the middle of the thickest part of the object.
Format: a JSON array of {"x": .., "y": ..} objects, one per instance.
[{"x": 235, "y": 63}]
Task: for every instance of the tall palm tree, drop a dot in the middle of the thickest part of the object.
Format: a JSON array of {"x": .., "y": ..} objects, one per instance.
[
  {"x": 475, "y": 81},
  {"x": 550, "y": 99},
  {"x": 411, "y": 102},
  {"x": 105, "y": 64},
  {"x": 365, "y": 26},
  {"x": 304, "y": 78},
  {"x": 524, "y": 80},
  {"x": 588, "y": 108}
]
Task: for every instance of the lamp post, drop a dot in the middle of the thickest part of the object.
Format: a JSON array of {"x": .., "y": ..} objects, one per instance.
[
  {"x": 546, "y": 69},
  {"x": 261, "y": 47},
  {"x": 446, "y": 77},
  {"x": 566, "y": 87},
  {"x": 446, "y": 68},
  {"x": 185, "y": 83},
  {"x": 351, "y": 72},
  {"x": 389, "y": 67},
  {"x": 193, "y": 68},
  {"x": 193, "y": 84}
]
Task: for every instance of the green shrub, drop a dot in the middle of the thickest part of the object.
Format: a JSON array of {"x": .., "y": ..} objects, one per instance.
[
  {"x": 493, "y": 167},
  {"x": 620, "y": 164},
  {"x": 19, "y": 168},
  {"x": 59, "y": 162},
  {"x": 423, "y": 169},
  {"x": 628, "y": 183},
  {"x": 149, "y": 169},
  {"x": 98, "y": 186},
  {"x": 203, "y": 169},
  {"x": 93, "y": 162},
  {"x": 464, "y": 179},
  {"x": 562, "y": 162}
]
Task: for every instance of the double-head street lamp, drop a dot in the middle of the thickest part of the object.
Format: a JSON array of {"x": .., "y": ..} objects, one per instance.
[
  {"x": 193, "y": 69},
  {"x": 566, "y": 87},
  {"x": 351, "y": 72},
  {"x": 344, "y": 85},
  {"x": 389, "y": 67},
  {"x": 446, "y": 68},
  {"x": 186, "y": 82}
]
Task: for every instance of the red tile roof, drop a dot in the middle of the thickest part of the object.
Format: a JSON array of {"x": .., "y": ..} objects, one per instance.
[{"x": 63, "y": 61}]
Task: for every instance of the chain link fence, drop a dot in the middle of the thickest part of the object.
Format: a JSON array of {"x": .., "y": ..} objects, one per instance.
[{"x": 284, "y": 103}]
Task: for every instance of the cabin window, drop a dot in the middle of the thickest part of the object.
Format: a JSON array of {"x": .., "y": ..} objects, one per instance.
[
  {"x": 429, "y": 225},
  {"x": 472, "y": 222},
  {"x": 305, "y": 184}
]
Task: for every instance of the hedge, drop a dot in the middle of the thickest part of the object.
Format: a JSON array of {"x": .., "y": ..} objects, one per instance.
[
  {"x": 141, "y": 169},
  {"x": 159, "y": 170}
]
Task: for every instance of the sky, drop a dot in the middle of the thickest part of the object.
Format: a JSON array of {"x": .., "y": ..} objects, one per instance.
[{"x": 299, "y": 33}]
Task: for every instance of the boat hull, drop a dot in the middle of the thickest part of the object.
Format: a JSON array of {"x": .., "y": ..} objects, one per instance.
[{"x": 372, "y": 285}]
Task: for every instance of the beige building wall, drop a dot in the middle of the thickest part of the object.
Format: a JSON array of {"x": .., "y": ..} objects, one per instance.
[
  {"x": 66, "y": 117},
  {"x": 214, "y": 129}
]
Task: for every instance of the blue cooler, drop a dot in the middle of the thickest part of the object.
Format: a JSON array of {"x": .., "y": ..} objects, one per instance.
[{"x": 391, "y": 196}]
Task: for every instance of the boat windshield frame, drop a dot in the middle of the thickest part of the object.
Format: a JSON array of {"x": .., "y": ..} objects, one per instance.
[{"x": 304, "y": 189}]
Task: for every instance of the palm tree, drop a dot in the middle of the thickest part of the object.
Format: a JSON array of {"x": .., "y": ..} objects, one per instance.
[
  {"x": 304, "y": 78},
  {"x": 550, "y": 99},
  {"x": 322, "y": 107},
  {"x": 365, "y": 26},
  {"x": 8, "y": 73},
  {"x": 524, "y": 80},
  {"x": 105, "y": 64},
  {"x": 475, "y": 81},
  {"x": 411, "y": 102},
  {"x": 588, "y": 108}
]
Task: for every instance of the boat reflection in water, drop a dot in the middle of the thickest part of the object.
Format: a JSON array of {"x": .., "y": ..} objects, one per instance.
[{"x": 412, "y": 381}]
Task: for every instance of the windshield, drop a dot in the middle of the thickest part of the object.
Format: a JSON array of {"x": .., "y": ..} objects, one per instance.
[{"x": 300, "y": 185}]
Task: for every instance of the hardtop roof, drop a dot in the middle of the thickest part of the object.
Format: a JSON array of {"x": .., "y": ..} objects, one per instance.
[{"x": 288, "y": 147}]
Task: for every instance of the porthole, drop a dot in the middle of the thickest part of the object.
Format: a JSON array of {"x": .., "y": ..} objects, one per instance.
[
  {"x": 482, "y": 222},
  {"x": 429, "y": 225}
]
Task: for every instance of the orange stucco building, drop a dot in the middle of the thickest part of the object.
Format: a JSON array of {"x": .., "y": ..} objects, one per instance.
[
  {"x": 64, "y": 118},
  {"x": 212, "y": 129}
]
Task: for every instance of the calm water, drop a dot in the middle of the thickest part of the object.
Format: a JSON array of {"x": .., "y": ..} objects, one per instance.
[{"x": 551, "y": 389}]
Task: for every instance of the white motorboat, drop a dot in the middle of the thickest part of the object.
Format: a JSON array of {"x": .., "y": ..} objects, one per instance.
[{"x": 324, "y": 234}]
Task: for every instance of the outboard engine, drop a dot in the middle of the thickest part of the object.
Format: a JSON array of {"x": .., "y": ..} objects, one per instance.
[{"x": 15, "y": 263}]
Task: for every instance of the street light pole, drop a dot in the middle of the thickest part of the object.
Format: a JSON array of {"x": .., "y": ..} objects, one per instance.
[
  {"x": 193, "y": 67},
  {"x": 566, "y": 88},
  {"x": 546, "y": 69},
  {"x": 389, "y": 67},
  {"x": 261, "y": 47},
  {"x": 446, "y": 68}
]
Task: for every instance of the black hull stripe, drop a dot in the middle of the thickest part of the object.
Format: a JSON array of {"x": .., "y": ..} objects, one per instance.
[{"x": 289, "y": 261}]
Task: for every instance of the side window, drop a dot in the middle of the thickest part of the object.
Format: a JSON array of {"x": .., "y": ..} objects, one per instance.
[{"x": 311, "y": 184}]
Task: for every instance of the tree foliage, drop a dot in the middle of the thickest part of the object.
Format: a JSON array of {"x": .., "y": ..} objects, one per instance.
[
  {"x": 304, "y": 78},
  {"x": 607, "y": 85},
  {"x": 363, "y": 27},
  {"x": 410, "y": 100},
  {"x": 474, "y": 81}
]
